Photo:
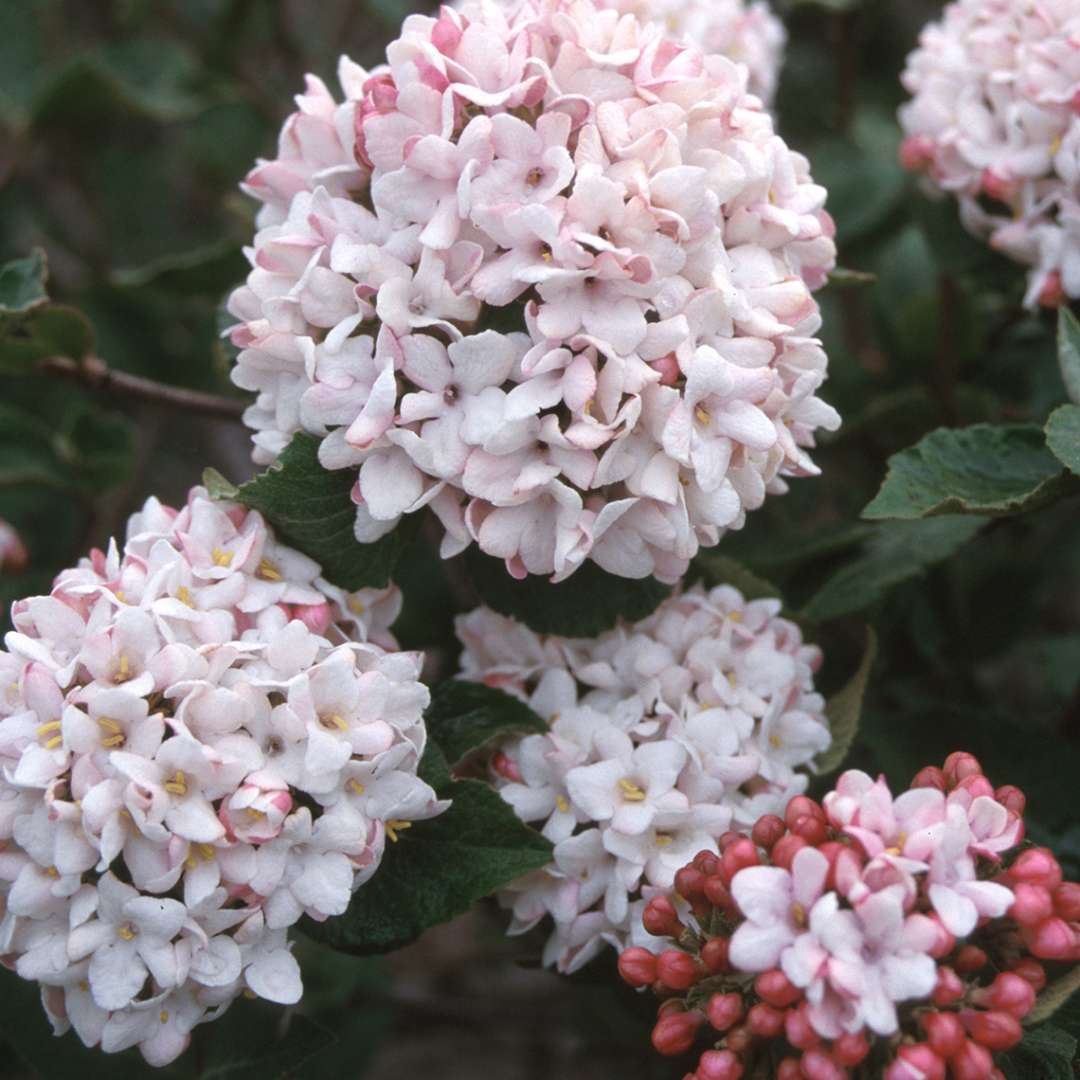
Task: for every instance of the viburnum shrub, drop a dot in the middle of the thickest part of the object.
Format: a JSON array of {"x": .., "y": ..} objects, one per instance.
[
  {"x": 663, "y": 735},
  {"x": 549, "y": 273},
  {"x": 995, "y": 121},
  {"x": 198, "y": 747},
  {"x": 862, "y": 936}
]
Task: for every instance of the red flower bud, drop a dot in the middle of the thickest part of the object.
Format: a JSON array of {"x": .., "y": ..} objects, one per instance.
[
  {"x": 994, "y": 1030},
  {"x": 1036, "y": 866},
  {"x": 739, "y": 1039},
  {"x": 1010, "y": 993},
  {"x": 775, "y": 988},
  {"x": 677, "y": 970},
  {"x": 786, "y": 848},
  {"x": 972, "y": 1062},
  {"x": 714, "y": 955},
  {"x": 738, "y": 856},
  {"x": 931, "y": 777},
  {"x": 1031, "y": 971},
  {"x": 812, "y": 829},
  {"x": 949, "y": 988},
  {"x": 1052, "y": 293},
  {"x": 1067, "y": 901},
  {"x": 798, "y": 1030},
  {"x": 916, "y": 153},
  {"x": 719, "y": 1065},
  {"x": 970, "y": 959},
  {"x": 850, "y": 1049},
  {"x": 944, "y": 1032},
  {"x": 661, "y": 919},
  {"x": 637, "y": 967},
  {"x": 945, "y": 942},
  {"x": 1052, "y": 939},
  {"x": 708, "y": 862},
  {"x": 817, "y": 1065},
  {"x": 690, "y": 882},
  {"x": 788, "y": 1069},
  {"x": 802, "y": 806},
  {"x": 1031, "y": 904},
  {"x": 977, "y": 785},
  {"x": 960, "y": 764},
  {"x": 724, "y": 1010},
  {"x": 674, "y": 1033},
  {"x": 1012, "y": 798},
  {"x": 916, "y": 1061},
  {"x": 764, "y": 1021},
  {"x": 728, "y": 839},
  {"x": 767, "y": 830},
  {"x": 716, "y": 892}
]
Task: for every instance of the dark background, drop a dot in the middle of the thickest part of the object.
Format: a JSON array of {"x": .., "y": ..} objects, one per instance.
[{"x": 124, "y": 130}]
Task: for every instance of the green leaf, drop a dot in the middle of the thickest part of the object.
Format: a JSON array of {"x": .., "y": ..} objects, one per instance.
[
  {"x": 22, "y": 283},
  {"x": 310, "y": 508},
  {"x": 1068, "y": 345},
  {"x": 436, "y": 871},
  {"x": 983, "y": 469},
  {"x": 205, "y": 271},
  {"x": 464, "y": 716},
  {"x": 97, "y": 446},
  {"x": 1054, "y": 997},
  {"x": 238, "y": 1048},
  {"x": 1063, "y": 436},
  {"x": 895, "y": 552},
  {"x": 1045, "y": 1054},
  {"x": 844, "y": 709},
  {"x": 42, "y": 331},
  {"x": 719, "y": 569},
  {"x": 842, "y": 278},
  {"x": 586, "y": 604}
]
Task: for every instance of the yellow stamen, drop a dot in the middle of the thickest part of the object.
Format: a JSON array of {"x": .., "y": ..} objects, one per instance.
[
  {"x": 126, "y": 932},
  {"x": 268, "y": 571},
  {"x": 177, "y": 785},
  {"x": 562, "y": 804},
  {"x": 123, "y": 670},
  {"x": 52, "y": 725},
  {"x": 395, "y": 826},
  {"x": 183, "y": 594},
  {"x": 109, "y": 725},
  {"x": 357, "y": 787},
  {"x": 735, "y": 616},
  {"x": 52, "y": 872},
  {"x": 355, "y": 606},
  {"x": 205, "y": 850},
  {"x": 587, "y": 410},
  {"x": 701, "y": 415},
  {"x": 84, "y": 986},
  {"x": 191, "y": 862},
  {"x": 54, "y": 742},
  {"x": 221, "y": 558},
  {"x": 250, "y": 994},
  {"x": 631, "y": 792},
  {"x": 1055, "y": 146},
  {"x": 774, "y": 741},
  {"x": 333, "y": 720},
  {"x": 119, "y": 594},
  {"x": 731, "y": 679},
  {"x": 253, "y": 813},
  {"x": 798, "y": 914},
  {"x": 111, "y": 742},
  {"x": 663, "y": 840},
  {"x": 163, "y": 1016}
]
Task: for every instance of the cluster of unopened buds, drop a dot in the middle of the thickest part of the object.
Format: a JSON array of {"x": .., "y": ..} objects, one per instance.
[{"x": 862, "y": 936}]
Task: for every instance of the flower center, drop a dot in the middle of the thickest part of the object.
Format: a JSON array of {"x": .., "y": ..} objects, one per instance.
[
  {"x": 48, "y": 734},
  {"x": 333, "y": 722},
  {"x": 268, "y": 571},
  {"x": 395, "y": 826},
  {"x": 178, "y": 784},
  {"x": 562, "y": 803},
  {"x": 112, "y": 735},
  {"x": 631, "y": 792},
  {"x": 534, "y": 177},
  {"x": 798, "y": 914},
  {"x": 123, "y": 669},
  {"x": 221, "y": 558},
  {"x": 126, "y": 932}
]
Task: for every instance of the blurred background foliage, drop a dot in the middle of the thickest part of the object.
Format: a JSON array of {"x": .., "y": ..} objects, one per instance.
[{"x": 125, "y": 126}]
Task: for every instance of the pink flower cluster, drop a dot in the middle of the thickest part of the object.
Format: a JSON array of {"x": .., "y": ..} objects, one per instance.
[
  {"x": 995, "y": 120},
  {"x": 547, "y": 272},
  {"x": 13, "y": 553},
  {"x": 197, "y": 748},
  {"x": 904, "y": 933},
  {"x": 748, "y": 33},
  {"x": 664, "y": 735}
]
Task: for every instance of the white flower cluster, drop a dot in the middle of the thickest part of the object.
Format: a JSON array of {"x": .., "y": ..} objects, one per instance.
[
  {"x": 195, "y": 753},
  {"x": 995, "y": 120},
  {"x": 547, "y": 272},
  {"x": 748, "y": 33},
  {"x": 664, "y": 735}
]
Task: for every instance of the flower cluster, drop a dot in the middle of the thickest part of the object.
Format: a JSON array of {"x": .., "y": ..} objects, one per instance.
[
  {"x": 748, "y": 33},
  {"x": 906, "y": 934},
  {"x": 995, "y": 121},
  {"x": 13, "y": 553},
  {"x": 197, "y": 748},
  {"x": 664, "y": 735},
  {"x": 547, "y": 272}
]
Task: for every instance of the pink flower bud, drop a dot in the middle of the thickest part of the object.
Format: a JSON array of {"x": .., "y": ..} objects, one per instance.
[
  {"x": 1031, "y": 971},
  {"x": 799, "y": 1031},
  {"x": 661, "y": 919},
  {"x": 945, "y": 942},
  {"x": 716, "y": 892},
  {"x": 637, "y": 967},
  {"x": 668, "y": 366},
  {"x": 999, "y": 187},
  {"x": 738, "y": 856},
  {"x": 994, "y": 1030},
  {"x": 931, "y": 777},
  {"x": 677, "y": 970},
  {"x": 850, "y": 1049},
  {"x": 1067, "y": 901},
  {"x": 506, "y": 766},
  {"x": 960, "y": 764},
  {"x": 818, "y": 1065},
  {"x": 674, "y": 1033},
  {"x": 708, "y": 862},
  {"x": 971, "y": 1062},
  {"x": 690, "y": 882},
  {"x": 316, "y": 617},
  {"x": 1052, "y": 293},
  {"x": 767, "y": 830},
  {"x": 970, "y": 959},
  {"x": 1031, "y": 904},
  {"x": 740, "y": 1039},
  {"x": 916, "y": 1061},
  {"x": 1036, "y": 866},
  {"x": 724, "y": 1010},
  {"x": 789, "y": 1069},
  {"x": 916, "y": 153},
  {"x": 949, "y": 987},
  {"x": 801, "y": 806},
  {"x": 944, "y": 1032},
  {"x": 776, "y": 989},
  {"x": 719, "y": 1065},
  {"x": 1012, "y": 798},
  {"x": 1052, "y": 939},
  {"x": 13, "y": 554},
  {"x": 764, "y": 1021},
  {"x": 786, "y": 848},
  {"x": 976, "y": 786},
  {"x": 1010, "y": 993},
  {"x": 812, "y": 829},
  {"x": 714, "y": 955}
]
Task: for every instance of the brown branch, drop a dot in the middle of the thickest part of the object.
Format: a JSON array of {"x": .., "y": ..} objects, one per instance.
[{"x": 94, "y": 373}]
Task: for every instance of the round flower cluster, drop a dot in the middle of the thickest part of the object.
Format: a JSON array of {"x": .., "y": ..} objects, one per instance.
[
  {"x": 195, "y": 754},
  {"x": 13, "y": 553},
  {"x": 547, "y": 272},
  {"x": 664, "y": 735},
  {"x": 905, "y": 935},
  {"x": 749, "y": 34},
  {"x": 995, "y": 121}
]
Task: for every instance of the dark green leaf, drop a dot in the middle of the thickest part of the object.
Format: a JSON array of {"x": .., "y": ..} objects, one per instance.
[
  {"x": 255, "y": 1041},
  {"x": 844, "y": 709},
  {"x": 206, "y": 271},
  {"x": 718, "y": 569},
  {"x": 1055, "y": 996},
  {"x": 310, "y": 508},
  {"x": 1068, "y": 344},
  {"x": 1063, "y": 436},
  {"x": 984, "y": 469},
  {"x": 1045, "y": 1054},
  {"x": 22, "y": 283},
  {"x": 895, "y": 552},
  {"x": 97, "y": 446},
  {"x": 588, "y": 603},
  {"x": 464, "y": 716},
  {"x": 45, "y": 330},
  {"x": 437, "y": 870}
]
